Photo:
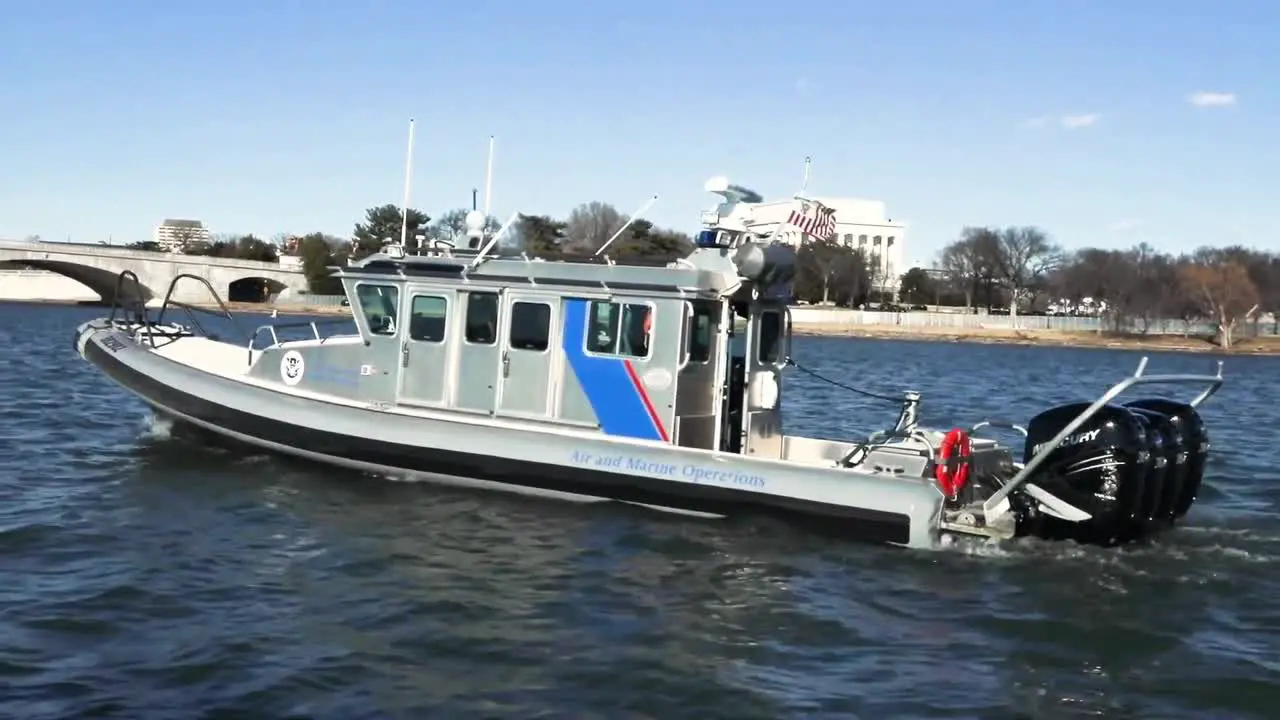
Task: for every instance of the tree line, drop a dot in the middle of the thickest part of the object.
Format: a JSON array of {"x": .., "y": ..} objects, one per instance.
[
  {"x": 1009, "y": 269},
  {"x": 588, "y": 227},
  {"x": 1021, "y": 269}
]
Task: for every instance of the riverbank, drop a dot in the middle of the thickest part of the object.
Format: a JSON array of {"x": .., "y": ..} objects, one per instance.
[{"x": 1269, "y": 345}]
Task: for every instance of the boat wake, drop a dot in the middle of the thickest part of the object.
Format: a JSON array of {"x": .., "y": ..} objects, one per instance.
[
  {"x": 157, "y": 427},
  {"x": 1197, "y": 546}
]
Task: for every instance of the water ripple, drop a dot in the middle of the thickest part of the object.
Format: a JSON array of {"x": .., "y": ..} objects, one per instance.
[{"x": 145, "y": 575}]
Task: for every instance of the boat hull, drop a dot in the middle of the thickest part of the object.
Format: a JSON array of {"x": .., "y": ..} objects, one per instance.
[{"x": 378, "y": 439}]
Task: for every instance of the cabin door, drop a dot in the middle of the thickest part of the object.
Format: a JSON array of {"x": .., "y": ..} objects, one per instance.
[
  {"x": 762, "y": 403},
  {"x": 476, "y": 387},
  {"x": 699, "y": 385},
  {"x": 526, "y": 360},
  {"x": 426, "y": 368}
]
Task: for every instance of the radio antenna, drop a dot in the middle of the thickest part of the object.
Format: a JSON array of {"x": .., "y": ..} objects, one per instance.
[
  {"x": 408, "y": 178},
  {"x": 626, "y": 225},
  {"x": 488, "y": 182}
]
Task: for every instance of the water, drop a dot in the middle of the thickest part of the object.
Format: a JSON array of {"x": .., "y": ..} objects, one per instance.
[{"x": 145, "y": 576}]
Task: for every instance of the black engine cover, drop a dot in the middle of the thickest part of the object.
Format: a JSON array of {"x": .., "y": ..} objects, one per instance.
[
  {"x": 1101, "y": 468},
  {"x": 1192, "y": 450}
]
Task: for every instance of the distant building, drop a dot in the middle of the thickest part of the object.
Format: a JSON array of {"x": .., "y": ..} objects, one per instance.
[
  {"x": 860, "y": 224},
  {"x": 176, "y": 235}
]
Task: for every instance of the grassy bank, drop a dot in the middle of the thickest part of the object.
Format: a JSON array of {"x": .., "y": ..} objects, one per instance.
[{"x": 1054, "y": 338}]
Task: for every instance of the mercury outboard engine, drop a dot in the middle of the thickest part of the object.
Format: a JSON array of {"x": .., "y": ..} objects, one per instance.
[
  {"x": 1102, "y": 468},
  {"x": 1164, "y": 484},
  {"x": 1192, "y": 449}
]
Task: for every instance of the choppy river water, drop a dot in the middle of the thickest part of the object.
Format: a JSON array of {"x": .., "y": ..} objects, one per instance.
[{"x": 143, "y": 575}]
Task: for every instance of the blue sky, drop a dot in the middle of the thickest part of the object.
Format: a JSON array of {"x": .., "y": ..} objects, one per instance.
[{"x": 290, "y": 116}]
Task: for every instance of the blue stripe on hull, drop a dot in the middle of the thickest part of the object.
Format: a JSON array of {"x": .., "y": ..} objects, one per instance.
[{"x": 614, "y": 398}]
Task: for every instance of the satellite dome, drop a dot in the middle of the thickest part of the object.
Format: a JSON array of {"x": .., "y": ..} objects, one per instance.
[{"x": 475, "y": 222}]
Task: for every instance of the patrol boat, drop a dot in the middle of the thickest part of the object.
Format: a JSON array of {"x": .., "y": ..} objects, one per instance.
[{"x": 656, "y": 384}]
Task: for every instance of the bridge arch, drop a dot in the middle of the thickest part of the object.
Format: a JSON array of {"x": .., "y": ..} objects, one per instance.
[
  {"x": 97, "y": 267},
  {"x": 98, "y": 280},
  {"x": 253, "y": 289}
]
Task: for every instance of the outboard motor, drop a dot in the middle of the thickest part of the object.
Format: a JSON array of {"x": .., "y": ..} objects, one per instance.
[
  {"x": 1164, "y": 485},
  {"x": 1193, "y": 447},
  {"x": 1101, "y": 468}
]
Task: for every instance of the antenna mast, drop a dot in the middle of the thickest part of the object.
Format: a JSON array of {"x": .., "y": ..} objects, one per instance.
[
  {"x": 626, "y": 225},
  {"x": 805, "y": 185},
  {"x": 408, "y": 177},
  {"x": 488, "y": 182}
]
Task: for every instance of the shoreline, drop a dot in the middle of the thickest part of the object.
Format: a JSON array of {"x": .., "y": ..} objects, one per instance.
[
  {"x": 1261, "y": 346},
  {"x": 1266, "y": 345}
]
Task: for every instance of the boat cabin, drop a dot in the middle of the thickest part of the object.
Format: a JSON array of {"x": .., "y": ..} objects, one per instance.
[
  {"x": 688, "y": 352},
  {"x": 681, "y": 354}
]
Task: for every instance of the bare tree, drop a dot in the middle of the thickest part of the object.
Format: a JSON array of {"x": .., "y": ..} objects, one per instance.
[
  {"x": 957, "y": 263},
  {"x": 590, "y": 225},
  {"x": 975, "y": 262},
  {"x": 1223, "y": 288},
  {"x": 1025, "y": 258},
  {"x": 1101, "y": 275}
]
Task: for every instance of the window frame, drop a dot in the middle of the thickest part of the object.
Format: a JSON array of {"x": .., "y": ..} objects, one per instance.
[
  {"x": 497, "y": 318},
  {"x": 778, "y": 341},
  {"x": 691, "y": 316},
  {"x": 622, "y": 306},
  {"x": 444, "y": 335},
  {"x": 511, "y": 317},
  {"x": 364, "y": 315}
]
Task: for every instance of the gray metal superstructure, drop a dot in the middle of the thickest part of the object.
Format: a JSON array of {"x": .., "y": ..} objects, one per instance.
[{"x": 584, "y": 378}]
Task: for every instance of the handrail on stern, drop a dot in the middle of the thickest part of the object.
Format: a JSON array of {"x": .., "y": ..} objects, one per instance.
[{"x": 996, "y": 505}]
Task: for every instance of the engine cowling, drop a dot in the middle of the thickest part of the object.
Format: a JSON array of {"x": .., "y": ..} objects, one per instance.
[
  {"x": 1102, "y": 468},
  {"x": 1192, "y": 442}
]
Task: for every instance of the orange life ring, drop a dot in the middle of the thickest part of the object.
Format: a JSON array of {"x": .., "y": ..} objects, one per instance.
[{"x": 952, "y": 468}]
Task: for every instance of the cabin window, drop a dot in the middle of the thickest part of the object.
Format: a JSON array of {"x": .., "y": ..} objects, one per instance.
[
  {"x": 769, "y": 350},
  {"x": 619, "y": 329},
  {"x": 530, "y": 326},
  {"x": 701, "y": 322},
  {"x": 379, "y": 304},
  {"x": 427, "y": 318},
  {"x": 482, "y": 318}
]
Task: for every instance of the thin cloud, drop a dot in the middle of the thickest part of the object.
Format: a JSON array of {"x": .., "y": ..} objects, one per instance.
[
  {"x": 803, "y": 85},
  {"x": 1126, "y": 225},
  {"x": 1206, "y": 99},
  {"x": 1069, "y": 122},
  {"x": 1075, "y": 122}
]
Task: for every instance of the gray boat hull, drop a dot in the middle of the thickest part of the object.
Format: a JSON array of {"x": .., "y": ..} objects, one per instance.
[{"x": 472, "y": 451}]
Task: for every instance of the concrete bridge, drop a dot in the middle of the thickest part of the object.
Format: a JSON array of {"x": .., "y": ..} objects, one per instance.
[{"x": 98, "y": 266}]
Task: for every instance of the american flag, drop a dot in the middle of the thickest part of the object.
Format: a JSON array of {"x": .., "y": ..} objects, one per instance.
[{"x": 815, "y": 219}]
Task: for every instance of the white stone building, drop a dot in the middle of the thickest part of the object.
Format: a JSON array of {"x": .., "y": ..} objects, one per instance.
[
  {"x": 175, "y": 235},
  {"x": 861, "y": 224}
]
